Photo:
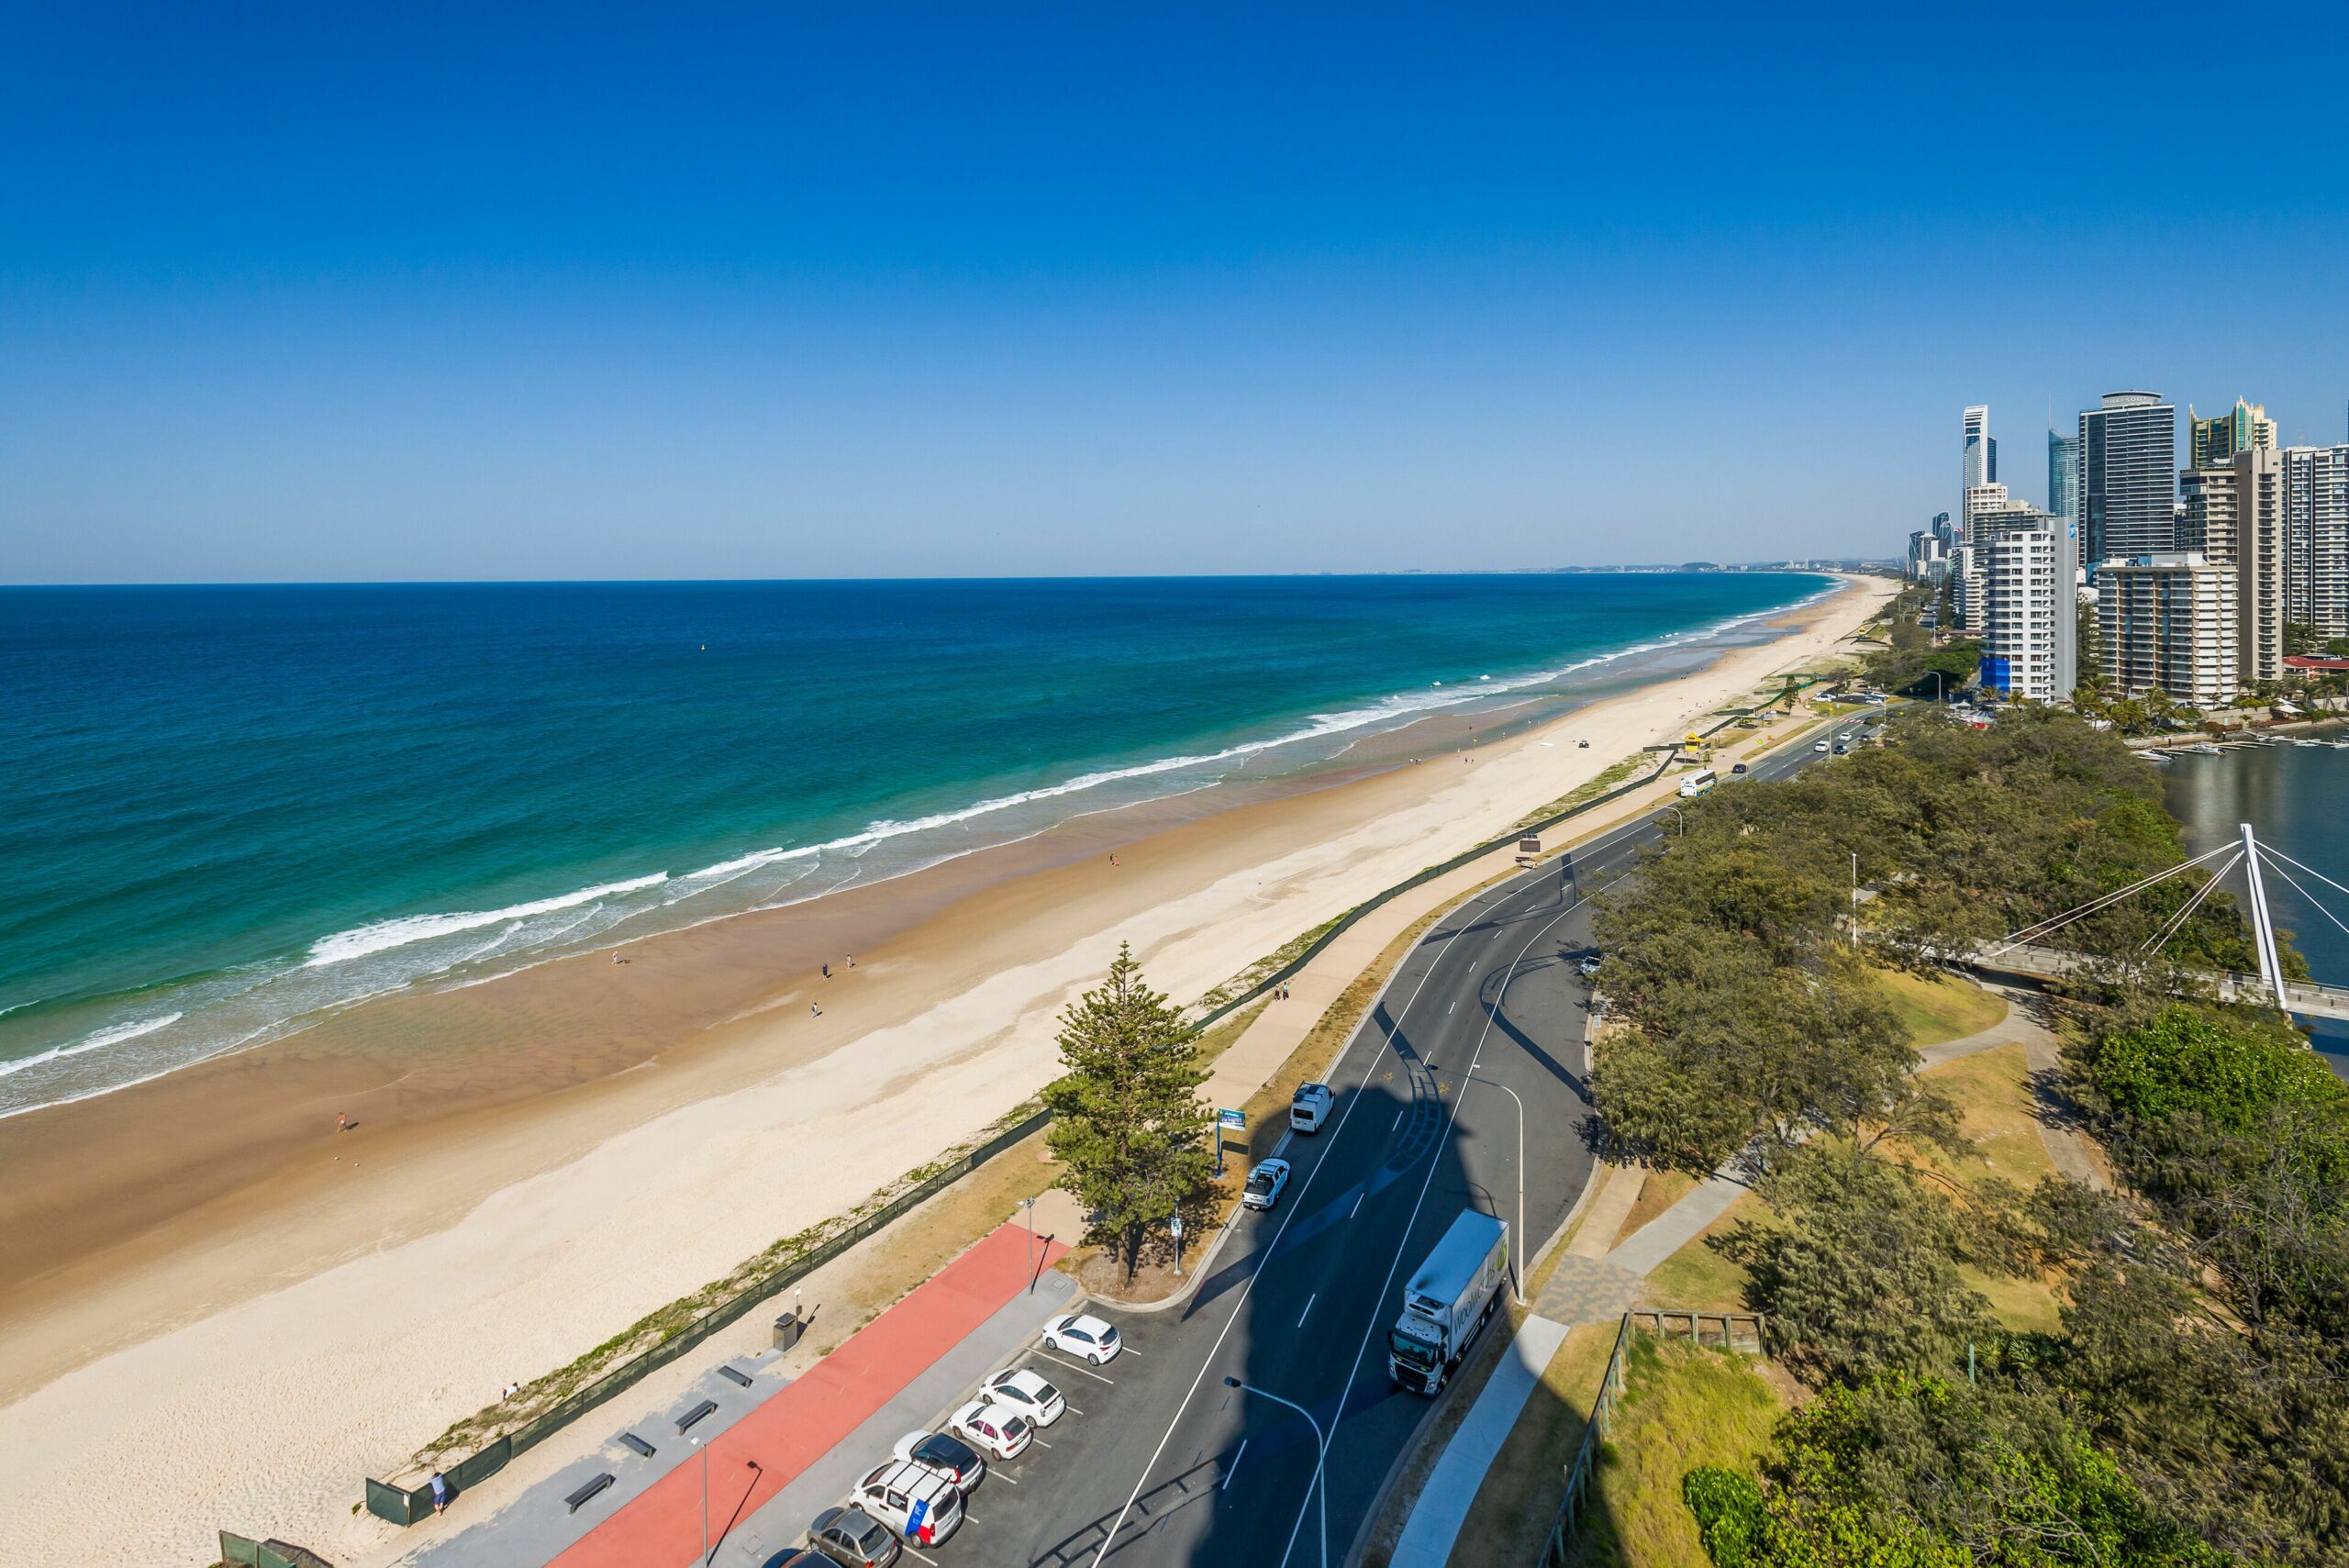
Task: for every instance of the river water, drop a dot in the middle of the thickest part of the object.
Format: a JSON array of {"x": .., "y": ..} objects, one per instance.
[{"x": 2296, "y": 800}]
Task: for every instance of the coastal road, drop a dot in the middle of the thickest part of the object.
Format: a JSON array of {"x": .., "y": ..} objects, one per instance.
[{"x": 1461, "y": 1089}]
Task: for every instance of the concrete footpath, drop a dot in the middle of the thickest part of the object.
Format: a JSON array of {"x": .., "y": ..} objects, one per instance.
[{"x": 1451, "y": 1490}]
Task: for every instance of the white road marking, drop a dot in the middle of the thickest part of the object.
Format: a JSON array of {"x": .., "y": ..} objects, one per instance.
[
  {"x": 999, "y": 1476},
  {"x": 1109, "y": 1539},
  {"x": 924, "y": 1556},
  {"x": 1357, "y": 1207},
  {"x": 1086, "y": 1372},
  {"x": 1398, "y": 1122},
  {"x": 1309, "y": 1309},
  {"x": 1235, "y": 1464}
]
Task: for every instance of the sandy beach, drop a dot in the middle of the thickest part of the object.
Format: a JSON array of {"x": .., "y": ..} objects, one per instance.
[{"x": 219, "y": 1312}]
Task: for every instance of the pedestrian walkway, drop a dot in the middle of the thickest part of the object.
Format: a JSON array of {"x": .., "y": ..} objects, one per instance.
[
  {"x": 1443, "y": 1503},
  {"x": 760, "y": 1441}
]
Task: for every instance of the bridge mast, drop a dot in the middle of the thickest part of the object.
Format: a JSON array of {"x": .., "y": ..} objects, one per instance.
[{"x": 2271, "y": 969}]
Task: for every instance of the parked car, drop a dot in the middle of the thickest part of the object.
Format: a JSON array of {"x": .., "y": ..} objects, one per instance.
[
  {"x": 995, "y": 1427},
  {"x": 801, "y": 1557},
  {"x": 942, "y": 1454},
  {"x": 923, "y": 1507},
  {"x": 1266, "y": 1184},
  {"x": 1590, "y": 965},
  {"x": 1310, "y": 1106},
  {"x": 853, "y": 1538},
  {"x": 1027, "y": 1392},
  {"x": 1084, "y": 1336}
]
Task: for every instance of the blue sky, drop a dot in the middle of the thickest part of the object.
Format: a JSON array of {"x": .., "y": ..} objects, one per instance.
[{"x": 420, "y": 292}]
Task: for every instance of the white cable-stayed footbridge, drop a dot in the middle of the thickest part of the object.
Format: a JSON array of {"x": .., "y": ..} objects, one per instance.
[{"x": 2026, "y": 951}]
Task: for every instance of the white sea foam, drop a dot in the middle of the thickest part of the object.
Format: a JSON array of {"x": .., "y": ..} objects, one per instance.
[
  {"x": 114, "y": 1034},
  {"x": 382, "y": 935}
]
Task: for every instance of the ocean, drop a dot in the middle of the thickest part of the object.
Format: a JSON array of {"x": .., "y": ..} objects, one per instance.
[
  {"x": 229, "y": 811},
  {"x": 2296, "y": 798}
]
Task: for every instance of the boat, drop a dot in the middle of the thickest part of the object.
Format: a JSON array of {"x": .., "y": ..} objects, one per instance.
[
  {"x": 2205, "y": 749},
  {"x": 2304, "y": 741}
]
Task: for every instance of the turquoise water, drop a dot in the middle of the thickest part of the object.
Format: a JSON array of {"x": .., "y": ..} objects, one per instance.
[{"x": 228, "y": 810}]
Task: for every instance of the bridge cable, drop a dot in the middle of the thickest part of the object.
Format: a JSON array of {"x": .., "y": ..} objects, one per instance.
[
  {"x": 2048, "y": 927},
  {"x": 2304, "y": 893},
  {"x": 2177, "y": 922}
]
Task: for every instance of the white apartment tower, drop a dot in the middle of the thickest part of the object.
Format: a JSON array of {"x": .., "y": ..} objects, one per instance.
[
  {"x": 2169, "y": 624},
  {"x": 2028, "y": 606},
  {"x": 2316, "y": 538}
]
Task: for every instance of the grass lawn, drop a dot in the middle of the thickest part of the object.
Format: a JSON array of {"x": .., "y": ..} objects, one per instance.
[
  {"x": 1699, "y": 1278},
  {"x": 1683, "y": 1405},
  {"x": 1992, "y": 1090},
  {"x": 1940, "y": 1007},
  {"x": 1521, "y": 1489}
]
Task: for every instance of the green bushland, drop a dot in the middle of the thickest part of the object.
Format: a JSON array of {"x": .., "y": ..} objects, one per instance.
[
  {"x": 2190, "y": 1402},
  {"x": 1684, "y": 1407}
]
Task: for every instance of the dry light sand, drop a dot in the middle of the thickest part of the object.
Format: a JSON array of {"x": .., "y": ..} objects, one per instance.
[{"x": 245, "y": 1362}]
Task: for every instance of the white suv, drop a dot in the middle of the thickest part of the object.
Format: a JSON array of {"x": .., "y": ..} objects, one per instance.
[
  {"x": 1085, "y": 1337},
  {"x": 918, "y": 1504}
]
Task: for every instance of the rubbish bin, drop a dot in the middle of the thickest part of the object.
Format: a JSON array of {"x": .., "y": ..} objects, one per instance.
[{"x": 787, "y": 1330}]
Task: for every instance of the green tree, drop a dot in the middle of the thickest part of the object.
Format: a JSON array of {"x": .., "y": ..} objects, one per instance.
[{"x": 1127, "y": 1118}]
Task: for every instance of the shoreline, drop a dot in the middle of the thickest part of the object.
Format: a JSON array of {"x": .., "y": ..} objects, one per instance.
[{"x": 542, "y": 1159}]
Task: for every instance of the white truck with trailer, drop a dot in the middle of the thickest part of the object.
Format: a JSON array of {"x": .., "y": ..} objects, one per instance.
[{"x": 1448, "y": 1300}]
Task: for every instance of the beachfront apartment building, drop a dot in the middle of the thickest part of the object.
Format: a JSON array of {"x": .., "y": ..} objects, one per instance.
[
  {"x": 2030, "y": 611},
  {"x": 2316, "y": 538},
  {"x": 2128, "y": 480},
  {"x": 2168, "y": 622}
]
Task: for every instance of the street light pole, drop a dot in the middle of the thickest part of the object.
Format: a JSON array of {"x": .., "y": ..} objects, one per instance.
[
  {"x": 1679, "y": 822},
  {"x": 1516, "y": 1257},
  {"x": 1031, "y": 1202},
  {"x": 1320, "y": 1456}
]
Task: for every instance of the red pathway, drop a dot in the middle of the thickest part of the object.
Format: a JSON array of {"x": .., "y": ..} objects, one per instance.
[{"x": 808, "y": 1416}]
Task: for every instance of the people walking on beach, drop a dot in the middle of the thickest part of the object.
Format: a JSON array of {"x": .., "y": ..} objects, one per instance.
[
  {"x": 828, "y": 972},
  {"x": 852, "y": 960},
  {"x": 814, "y": 1011},
  {"x": 343, "y": 1121},
  {"x": 440, "y": 1484}
]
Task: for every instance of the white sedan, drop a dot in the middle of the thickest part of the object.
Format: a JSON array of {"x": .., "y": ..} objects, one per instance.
[
  {"x": 1026, "y": 1393},
  {"x": 998, "y": 1428},
  {"x": 1084, "y": 1336}
]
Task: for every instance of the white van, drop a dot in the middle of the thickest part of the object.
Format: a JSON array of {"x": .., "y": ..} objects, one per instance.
[
  {"x": 918, "y": 1504},
  {"x": 1697, "y": 784}
]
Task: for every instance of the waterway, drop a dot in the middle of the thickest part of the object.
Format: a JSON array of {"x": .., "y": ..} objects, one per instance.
[{"x": 2296, "y": 800}]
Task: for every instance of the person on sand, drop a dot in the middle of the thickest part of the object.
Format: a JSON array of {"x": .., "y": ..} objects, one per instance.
[
  {"x": 343, "y": 1121},
  {"x": 828, "y": 972},
  {"x": 852, "y": 960},
  {"x": 814, "y": 1011},
  {"x": 440, "y": 1484}
]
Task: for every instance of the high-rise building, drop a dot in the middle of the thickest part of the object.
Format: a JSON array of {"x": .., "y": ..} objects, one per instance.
[
  {"x": 2168, "y": 620},
  {"x": 1974, "y": 461},
  {"x": 2205, "y": 520},
  {"x": 2063, "y": 476},
  {"x": 2214, "y": 442},
  {"x": 2128, "y": 476},
  {"x": 2028, "y": 611},
  {"x": 2259, "y": 563},
  {"x": 2316, "y": 538}
]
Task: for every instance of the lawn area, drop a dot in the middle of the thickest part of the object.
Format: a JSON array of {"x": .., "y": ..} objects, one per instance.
[
  {"x": 1659, "y": 1190},
  {"x": 1699, "y": 1278},
  {"x": 1992, "y": 1091},
  {"x": 1683, "y": 1405},
  {"x": 1521, "y": 1491},
  {"x": 1939, "y": 1007}
]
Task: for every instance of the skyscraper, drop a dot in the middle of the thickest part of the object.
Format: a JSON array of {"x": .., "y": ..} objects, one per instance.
[
  {"x": 2029, "y": 609},
  {"x": 2259, "y": 562},
  {"x": 2207, "y": 522},
  {"x": 2214, "y": 441},
  {"x": 1974, "y": 453},
  {"x": 2128, "y": 476},
  {"x": 2316, "y": 538},
  {"x": 2063, "y": 476}
]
